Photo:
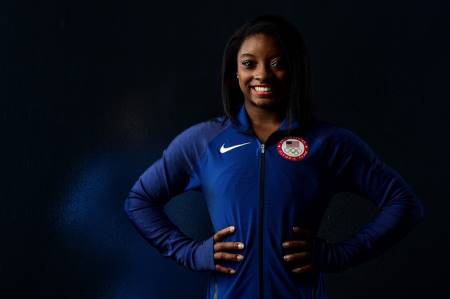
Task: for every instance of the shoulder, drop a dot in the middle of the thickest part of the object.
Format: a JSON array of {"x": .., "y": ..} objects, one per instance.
[
  {"x": 337, "y": 134},
  {"x": 341, "y": 140},
  {"x": 192, "y": 141},
  {"x": 200, "y": 133}
]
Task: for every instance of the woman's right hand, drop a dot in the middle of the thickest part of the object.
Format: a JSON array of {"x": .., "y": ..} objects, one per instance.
[{"x": 220, "y": 249}]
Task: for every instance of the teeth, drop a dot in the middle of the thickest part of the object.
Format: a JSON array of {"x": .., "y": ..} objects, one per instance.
[{"x": 259, "y": 88}]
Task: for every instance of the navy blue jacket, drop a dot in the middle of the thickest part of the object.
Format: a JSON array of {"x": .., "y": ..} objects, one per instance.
[{"x": 264, "y": 190}]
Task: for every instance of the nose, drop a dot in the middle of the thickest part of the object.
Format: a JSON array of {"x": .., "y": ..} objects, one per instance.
[{"x": 262, "y": 72}]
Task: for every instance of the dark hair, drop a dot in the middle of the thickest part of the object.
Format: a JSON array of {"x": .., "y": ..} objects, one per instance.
[{"x": 293, "y": 46}]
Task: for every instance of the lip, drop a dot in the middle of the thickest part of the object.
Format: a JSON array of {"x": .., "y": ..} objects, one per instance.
[
  {"x": 261, "y": 85},
  {"x": 262, "y": 94}
]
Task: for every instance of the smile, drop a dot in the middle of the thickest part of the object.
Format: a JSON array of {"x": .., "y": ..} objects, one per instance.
[{"x": 262, "y": 90}]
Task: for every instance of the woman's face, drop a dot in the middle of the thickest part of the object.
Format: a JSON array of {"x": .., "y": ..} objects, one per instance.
[{"x": 261, "y": 71}]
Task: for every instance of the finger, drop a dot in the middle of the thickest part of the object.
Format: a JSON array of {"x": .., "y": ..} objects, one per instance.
[
  {"x": 301, "y": 270},
  {"x": 228, "y": 256},
  {"x": 297, "y": 244},
  {"x": 223, "y": 232},
  {"x": 223, "y": 246},
  {"x": 302, "y": 231},
  {"x": 295, "y": 257},
  {"x": 225, "y": 270}
]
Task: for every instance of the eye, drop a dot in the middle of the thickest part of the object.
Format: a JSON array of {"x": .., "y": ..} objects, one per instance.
[
  {"x": 278, "y": 63},
  {"x": 247, "y": 63}
]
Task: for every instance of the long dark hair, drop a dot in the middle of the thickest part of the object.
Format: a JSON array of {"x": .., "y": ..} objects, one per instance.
[{"x": 293, "y": 46}]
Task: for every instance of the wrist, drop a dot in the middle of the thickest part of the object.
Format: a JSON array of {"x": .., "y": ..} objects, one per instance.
[{"x": 204, "y": 255}]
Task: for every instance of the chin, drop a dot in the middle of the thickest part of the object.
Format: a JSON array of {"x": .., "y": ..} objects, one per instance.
[{"x": 265, "y": 102}]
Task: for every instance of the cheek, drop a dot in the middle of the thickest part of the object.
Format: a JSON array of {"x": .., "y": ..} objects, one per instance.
[
  {"x": 241, "y": 83},
  {"x": 282, "y": 76},
  {"x": 243, "y": 87},
  {"x": 284, "y": 80},
  {"x": 244, "y": 83}
]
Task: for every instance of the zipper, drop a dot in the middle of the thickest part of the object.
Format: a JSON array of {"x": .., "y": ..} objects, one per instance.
[
  {"x": 216, "y": 290},
  {"x": 261, "y": 219},
  {"x": 314, "y": 284}
]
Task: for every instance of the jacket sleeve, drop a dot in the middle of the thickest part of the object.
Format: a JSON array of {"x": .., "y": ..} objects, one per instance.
[
  {"x": 173, "y": 173},
  {"x": 354, "y": 167}
]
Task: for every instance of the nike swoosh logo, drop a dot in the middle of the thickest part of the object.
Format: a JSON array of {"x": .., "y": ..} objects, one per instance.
[{"x": 224, "y": 149}]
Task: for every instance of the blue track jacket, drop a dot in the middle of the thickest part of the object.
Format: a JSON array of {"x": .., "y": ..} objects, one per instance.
[{"x": 264, "y": 190}]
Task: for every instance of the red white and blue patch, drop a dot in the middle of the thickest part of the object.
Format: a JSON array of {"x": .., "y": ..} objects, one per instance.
[{"x": 293, "y": 148}]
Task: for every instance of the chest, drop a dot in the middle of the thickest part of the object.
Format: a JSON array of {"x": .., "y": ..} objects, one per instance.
[{"x": 239, "y": 169}]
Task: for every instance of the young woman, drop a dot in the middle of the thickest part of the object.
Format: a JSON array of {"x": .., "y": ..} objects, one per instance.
[{"x": 268, "y": 169}]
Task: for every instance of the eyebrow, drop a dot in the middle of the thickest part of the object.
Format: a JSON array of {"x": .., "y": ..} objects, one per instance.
[{"x": 248, "y": 54}]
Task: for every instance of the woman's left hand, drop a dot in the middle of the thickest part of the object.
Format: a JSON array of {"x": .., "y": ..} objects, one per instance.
[{"x": 298, "y": 253}]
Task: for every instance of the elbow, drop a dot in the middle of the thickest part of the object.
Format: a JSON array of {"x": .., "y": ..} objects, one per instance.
[
  {"x": 411, "y": 213},
  {"x": 129, "y": 206},
  {"x": 134, "y": 201},
  {"x": 126, "y": 206},
  {"x": 137, "y": 201},
  {"x": 418, "y": 212}
]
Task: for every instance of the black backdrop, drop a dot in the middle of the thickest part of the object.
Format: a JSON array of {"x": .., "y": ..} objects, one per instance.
[{"x": 93, "y": 91}]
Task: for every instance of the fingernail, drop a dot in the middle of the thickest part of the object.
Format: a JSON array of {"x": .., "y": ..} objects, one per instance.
[
  {"x": 241, "y": 245},
  {"x": 295, "y": 228},
  {"x": 286, "y": 257},
  {"x": 285, "y": 244},
  {"x": 240, "y": 257},
  {"x": 231, "y": 228},
  {"x": 232, "y": 271}
]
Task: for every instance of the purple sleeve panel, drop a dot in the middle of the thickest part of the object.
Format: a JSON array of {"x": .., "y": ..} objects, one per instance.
[
  {"x": 354, "y": 167},
  {"x": 170, "y": 175}
]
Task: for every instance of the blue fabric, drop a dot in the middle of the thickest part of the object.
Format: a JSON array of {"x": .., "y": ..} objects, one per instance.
[{"x": 293, "y": 193}]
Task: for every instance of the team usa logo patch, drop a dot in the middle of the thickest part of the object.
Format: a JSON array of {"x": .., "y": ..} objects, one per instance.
[{"x": 293, "y": 148}]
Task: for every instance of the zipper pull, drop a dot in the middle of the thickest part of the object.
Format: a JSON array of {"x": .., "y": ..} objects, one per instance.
[{"x": 262, "y": 148}]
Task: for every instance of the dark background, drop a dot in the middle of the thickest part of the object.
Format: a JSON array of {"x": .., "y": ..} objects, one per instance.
[{"x": 92, "y": 92}]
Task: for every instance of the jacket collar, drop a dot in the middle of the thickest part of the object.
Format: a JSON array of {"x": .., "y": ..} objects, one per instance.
[{"x": 245, "y": 125}]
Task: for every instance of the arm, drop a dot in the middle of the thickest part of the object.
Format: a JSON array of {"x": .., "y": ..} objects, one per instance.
[
  {"x": 355, "y": 167},
  {"x": 169, "y": 176}
]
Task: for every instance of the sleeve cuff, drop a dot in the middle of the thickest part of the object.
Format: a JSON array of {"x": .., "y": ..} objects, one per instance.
[
  {"x": 325, "y": 256},
  {"x": 204, "y": 255}
]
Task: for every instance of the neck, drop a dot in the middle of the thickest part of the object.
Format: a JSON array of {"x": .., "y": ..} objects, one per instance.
[{"x": 264, "y": 116}]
